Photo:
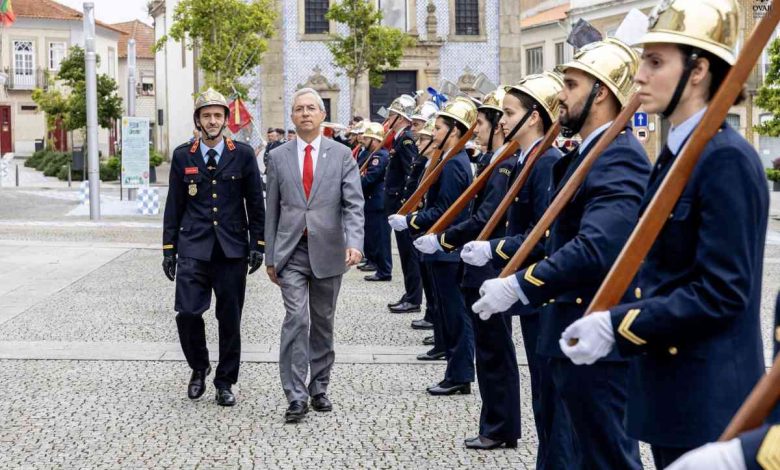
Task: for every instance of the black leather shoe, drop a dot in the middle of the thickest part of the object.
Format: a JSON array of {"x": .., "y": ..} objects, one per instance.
[
  {"x": 225, "y": 397},
  {"x": 374, "y": 277},
  {"x": 396, "y": 303},
  {"x": 421, "y": 325},
  {"x": 321, "y": 403},
  {"x": 296, "y": 411},
  {"x": 484, "y": 443},
  {"x": 405, "y": 307},
  {"x": 197, "y": 384},
  {"x": 368, "y": 267},
  {"x": 428, "y": 341},
  {"x": 448, "y": 388},
  {"x": 431, "y": 356}
]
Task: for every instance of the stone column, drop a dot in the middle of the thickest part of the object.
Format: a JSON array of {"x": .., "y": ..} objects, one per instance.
[{"x": 509, "y": 49}]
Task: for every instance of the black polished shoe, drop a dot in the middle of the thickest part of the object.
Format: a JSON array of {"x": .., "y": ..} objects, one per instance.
[
  {"x": 368, "y": 267},
  {"x": 320, "y": 402},
  {"x": 296, "y": 411},
  {"x": 374, "y": 277},
  {"x": 431, "y": 356},
  {"x": 197, "y": 384},
  {"x": 428, "y": 341},
  {"x": 225, "y": 397},
  {"x": 395, "y": 304},
  {"x": 446, "y": 387},
  {"x": 485, "y": 443},
  {"x": 421, "y": 325},
  {"x": 405, "y": 307}
]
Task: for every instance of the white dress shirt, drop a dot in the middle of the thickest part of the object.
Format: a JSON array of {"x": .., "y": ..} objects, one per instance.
[
  {"x": 679, "y": 134},
  {"x": 315, "y": 151}
]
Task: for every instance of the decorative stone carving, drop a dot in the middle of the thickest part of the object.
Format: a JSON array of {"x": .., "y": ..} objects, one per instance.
[
  {"x": 319, "y": 82},
  {"x": 467, "y": 80},
  {"x": 431, "y": 21}
]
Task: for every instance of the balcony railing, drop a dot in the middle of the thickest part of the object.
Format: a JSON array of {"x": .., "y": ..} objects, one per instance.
[{"x": 26, "y": 79}]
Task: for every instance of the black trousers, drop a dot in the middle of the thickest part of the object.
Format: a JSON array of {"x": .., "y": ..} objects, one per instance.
[
  {"x": 377, "y": 244},
  {"x": 454, "y": 322},
  {"x": 665, "y": 456},
  {"x": 497, "y": 374},
  {"x": 195, "y": 280},
  {"x": 410, "y": 265}
]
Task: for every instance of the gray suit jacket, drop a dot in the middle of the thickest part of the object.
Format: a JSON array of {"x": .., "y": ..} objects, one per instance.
[{"x": 333, "y": 215}]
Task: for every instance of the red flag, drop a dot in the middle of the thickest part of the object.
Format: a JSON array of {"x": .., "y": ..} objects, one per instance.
[
  {"x": 239, "y": 116},
  {"x": 7, "y": 15}
]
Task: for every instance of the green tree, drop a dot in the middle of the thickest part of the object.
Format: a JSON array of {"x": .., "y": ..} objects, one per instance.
[
  {"x": 769, "y": 93},
  {"x": 368, "y": 48},
  {"x": 231, "y": 36},
  {"x": 55, "y": 106}
]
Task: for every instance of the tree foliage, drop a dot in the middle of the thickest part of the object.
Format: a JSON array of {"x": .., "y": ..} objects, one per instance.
[
  {"x": 368, "y": 48},
  {"x": 231, "y": 36},
  {"x": 769, "y": 93},
  {"x": 72, "y": 107}
]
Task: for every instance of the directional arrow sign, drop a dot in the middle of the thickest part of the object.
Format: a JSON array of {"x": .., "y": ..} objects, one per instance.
[{"x": 640, "y": 119}]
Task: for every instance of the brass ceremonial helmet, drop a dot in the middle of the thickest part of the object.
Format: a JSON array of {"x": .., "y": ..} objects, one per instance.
[
  {"x": 494, "y": 100},
  {"x": 612, "y": 62},
  {"x": 543, "y": 88},
  {"x": 374, "y": 130},
  {"x": 427, "y": 129},
  {"x": 403, "y": 106},
  {"x": 462, "y": 110},
  {"x": 210, "y": 97},
  {"x": 425, "y": 111},
  {"x": 710, "y": 25}
]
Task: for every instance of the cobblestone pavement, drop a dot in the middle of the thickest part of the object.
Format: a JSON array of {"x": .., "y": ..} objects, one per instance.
[{"x": 94, "y": 378}]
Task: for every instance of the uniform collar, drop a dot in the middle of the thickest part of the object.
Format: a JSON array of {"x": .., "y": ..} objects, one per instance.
[
  {"x": 593, "y": 135},
  {"x": 678, "y": 134},
  {"x": 525, "y": 152},
  {"x": 220, "y": 147}
]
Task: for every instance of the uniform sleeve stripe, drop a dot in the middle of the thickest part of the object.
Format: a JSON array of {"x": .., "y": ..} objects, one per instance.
[
  {"x": 768, "y": 456},
  {"x": 260, "y": 242},
  {"x": 500, "y": 251},
  {"x": 411, "y": 222},
  {"x": 167, "y": 247},
  {"x": 445, "y": 244},
  {"x": 529, "y": 276},
  {"x": 625, "y": 324}
]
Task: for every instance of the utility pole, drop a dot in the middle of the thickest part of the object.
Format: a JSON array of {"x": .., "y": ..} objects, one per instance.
[
  {"x": 90, "y": 66},
  {"x": 131, "y": 192}
]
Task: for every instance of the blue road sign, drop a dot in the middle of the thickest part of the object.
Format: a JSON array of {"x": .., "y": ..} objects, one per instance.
[{"x": 640, "y": 119}]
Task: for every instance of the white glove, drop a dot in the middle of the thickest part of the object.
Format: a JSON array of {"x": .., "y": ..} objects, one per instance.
[
  {"x": 476, "y": 253},
  {"x": 713, "y": 456},
  {"x": 398, "y": 222},
  {"x": 497, "y": 295},
  {"x": 428, "y": 244},
  {"x": 594, "y": 335}
]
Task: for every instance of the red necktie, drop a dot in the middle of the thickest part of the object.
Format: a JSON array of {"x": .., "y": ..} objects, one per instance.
[{"x": 308, "y": 171}]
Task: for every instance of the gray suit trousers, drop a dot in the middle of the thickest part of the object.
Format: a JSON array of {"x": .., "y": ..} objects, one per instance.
[{"x": 307, "y": 331}]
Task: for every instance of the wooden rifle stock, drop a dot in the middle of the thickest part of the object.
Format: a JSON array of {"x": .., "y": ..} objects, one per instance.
[
  {"x": 519, "y": 182},
  {"x": 503, "y": 152},
  {"x": 433, "y": 175},
  {"x": 570, "y": 188},
  {"x": 364, "y": 167},
  {"x": 757, "y": 406},
  {"x": 435, "y": 159}
]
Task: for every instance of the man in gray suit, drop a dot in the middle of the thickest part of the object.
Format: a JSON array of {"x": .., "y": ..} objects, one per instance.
[{"x": 314, "y": 233}]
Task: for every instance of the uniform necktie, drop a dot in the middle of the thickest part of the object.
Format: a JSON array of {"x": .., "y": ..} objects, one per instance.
[
  {"x": 211, "y": 165},
  {"x": 308, "y": 171}
]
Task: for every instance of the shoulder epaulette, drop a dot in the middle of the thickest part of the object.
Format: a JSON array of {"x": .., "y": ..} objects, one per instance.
[
  {"x": 229, "y": 143},
  {"x": 194, "y": 146}
]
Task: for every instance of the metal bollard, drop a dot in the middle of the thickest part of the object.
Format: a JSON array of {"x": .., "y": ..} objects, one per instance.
[
  {"x": 70, "y": 175},
  {"x": 17, "y": 174}
]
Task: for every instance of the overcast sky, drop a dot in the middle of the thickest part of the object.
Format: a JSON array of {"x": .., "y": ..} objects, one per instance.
[{"x": 113, "y": 11}]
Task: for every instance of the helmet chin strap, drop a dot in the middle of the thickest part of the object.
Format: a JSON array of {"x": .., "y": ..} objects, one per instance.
[
  {"x": 690, "y": 62},
  {"x": 425, "y": 149},
  {"x": 212, "y": 137},
  {"x": 573, "y": 128},
  {"x": 493, "y": 125},
  {"x": 520, "y": 124}
]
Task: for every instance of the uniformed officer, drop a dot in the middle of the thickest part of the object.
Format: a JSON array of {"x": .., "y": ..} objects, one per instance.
[
  {"x": 699, "y": 289},
  {"x": 456, "y": 175},
  {"x": 530, "y": 106},
  {"x": 402, "y": 155},
  {"x": 214, "y": 217},
  {"x": 581, "y": 246},
  {"x": 373, "y": 182},
  {"x": 758, "y": 449},
  {"x": 496, "y": 360},
  {"x": 426, "y": 148}
]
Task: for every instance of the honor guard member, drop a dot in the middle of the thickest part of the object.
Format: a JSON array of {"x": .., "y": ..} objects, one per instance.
[
  {"x": 214, "y": 217},
  {"x": 531, "y": 106},
  {"x": 758, "y": 449},
  {"x": 692, "y": 325},
  {"x": 373, "y": 182},
  {"x": 402, "y": 155},
  {"x": 452, "y": 316},
  {"x": 496, "y": 360},
  {"x": 426, "y": 148},
  {"x": 581, "y": 246}
]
